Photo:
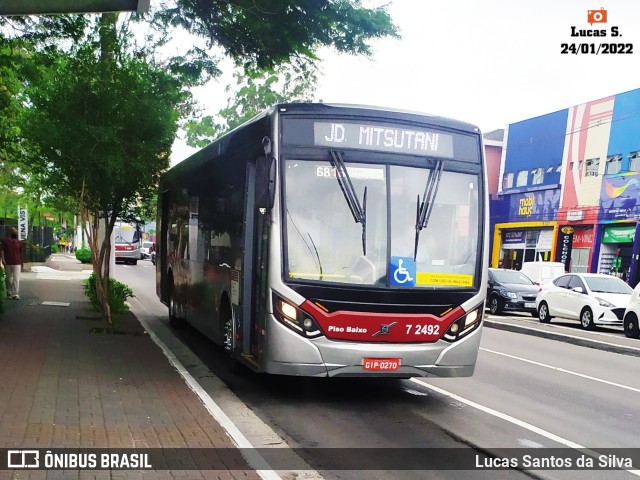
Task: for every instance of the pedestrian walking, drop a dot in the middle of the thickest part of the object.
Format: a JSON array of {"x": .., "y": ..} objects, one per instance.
[{"x": 13, "y": 258}]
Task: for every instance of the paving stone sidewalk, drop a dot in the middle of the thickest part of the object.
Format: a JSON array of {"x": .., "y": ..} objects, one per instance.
[{"x": 63, "y": 386}]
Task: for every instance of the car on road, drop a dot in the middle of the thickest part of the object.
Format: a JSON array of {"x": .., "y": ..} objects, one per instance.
[
  {"x": 511, "y": 290},
  {"x": 145, "y": 250},
  {"x": 592, "y": 298},
  {"x": 632, "y": 314}
]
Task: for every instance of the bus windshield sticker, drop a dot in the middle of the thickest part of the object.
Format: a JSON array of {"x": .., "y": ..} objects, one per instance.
[
  {"x": 444, "y": 279},
  {"x": 403, "y": 272},
  {"x": 383, "y": 138}
]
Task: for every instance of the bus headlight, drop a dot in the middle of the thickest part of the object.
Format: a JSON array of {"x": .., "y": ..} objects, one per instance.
[
  {"x": 464, "y": 325},
  {"x": 294, "y": 318}
]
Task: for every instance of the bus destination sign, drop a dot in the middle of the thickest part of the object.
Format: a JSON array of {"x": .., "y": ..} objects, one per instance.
[{"x": 383, "y": 138}]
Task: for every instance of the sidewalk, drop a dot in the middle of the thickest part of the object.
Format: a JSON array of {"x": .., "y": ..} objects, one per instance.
[{"x": 65, "y": 387}]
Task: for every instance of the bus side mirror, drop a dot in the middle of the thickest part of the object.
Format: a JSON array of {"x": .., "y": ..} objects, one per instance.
[{"x": 265, "y": 181}]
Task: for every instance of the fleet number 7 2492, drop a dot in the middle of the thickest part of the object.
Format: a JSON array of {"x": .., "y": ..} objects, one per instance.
[{"x": 423, "y": 329}]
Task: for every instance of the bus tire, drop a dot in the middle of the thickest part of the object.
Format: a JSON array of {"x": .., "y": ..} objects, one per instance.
[
  {"x": 228, "y": 339},
  {"x": 174, "y": 317}
]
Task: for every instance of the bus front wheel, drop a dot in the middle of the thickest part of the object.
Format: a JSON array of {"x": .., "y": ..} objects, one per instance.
[
  {"x": 228, "y": 340},
  {"x": 174, "y": 316}
]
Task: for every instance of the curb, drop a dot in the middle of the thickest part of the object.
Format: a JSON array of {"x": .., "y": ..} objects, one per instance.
[{"x": 583, "y": 342}]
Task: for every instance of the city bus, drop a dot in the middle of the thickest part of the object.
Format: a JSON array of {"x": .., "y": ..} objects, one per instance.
[
  {"x": 128, "y": 241},
  {"x": 331, "y": 240}
]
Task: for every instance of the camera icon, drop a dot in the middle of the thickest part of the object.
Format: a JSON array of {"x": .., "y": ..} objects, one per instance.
[{"x": 597, "y": 16}]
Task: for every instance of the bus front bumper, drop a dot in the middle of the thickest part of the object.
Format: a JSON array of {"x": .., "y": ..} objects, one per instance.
[{"x": 290, "y": 354}]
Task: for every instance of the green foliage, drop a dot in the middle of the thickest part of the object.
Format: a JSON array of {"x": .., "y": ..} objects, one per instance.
[
  {"x": 91, "y": 126},
  {"x": 118, "y": 294},
  {"x": 250, "y": 95},
  {"x": 83, "y": 255},
  {"x": 264, "y": 33},
  {"x": 55, "y": 248},
  {"x": 3, "y": 291}
]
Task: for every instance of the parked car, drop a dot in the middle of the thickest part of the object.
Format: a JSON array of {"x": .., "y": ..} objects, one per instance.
[
  {"x": 511, "y": 290},
  {"x": 632, "y": 314},
  {"x": 542, "y": 272},
  {"x": 145, "y": 250},
  {"x": 592, "y": 298}
]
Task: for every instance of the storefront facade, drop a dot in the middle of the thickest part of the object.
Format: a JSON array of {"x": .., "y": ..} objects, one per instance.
[
  {"x": 587, "y": 160},
  {"x": 530, "y": 235}
]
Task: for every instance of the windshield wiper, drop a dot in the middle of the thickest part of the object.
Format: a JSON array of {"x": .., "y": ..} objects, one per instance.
[
  {"x": 423, "y": 210},
  {"x": 358, "y": 211}
]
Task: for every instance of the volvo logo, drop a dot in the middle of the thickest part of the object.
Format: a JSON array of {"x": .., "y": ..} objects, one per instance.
[{"x": 384, "y": 329}]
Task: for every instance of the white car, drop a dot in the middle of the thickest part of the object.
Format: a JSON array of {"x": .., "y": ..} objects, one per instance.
[
  {"x": 632, "y": 314},
  {"x": 592, "y": 298},
  {"x": 145, "y": 250}
]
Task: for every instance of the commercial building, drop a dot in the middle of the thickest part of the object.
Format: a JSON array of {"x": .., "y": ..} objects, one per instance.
[{"x": 570, "y": 188}]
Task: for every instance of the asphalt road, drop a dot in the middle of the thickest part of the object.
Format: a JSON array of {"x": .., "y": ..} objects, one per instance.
[{"x": 527, "y": 392}]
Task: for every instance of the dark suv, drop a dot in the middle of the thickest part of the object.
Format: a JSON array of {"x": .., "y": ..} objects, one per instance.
[{"x": 511, "y": 290}]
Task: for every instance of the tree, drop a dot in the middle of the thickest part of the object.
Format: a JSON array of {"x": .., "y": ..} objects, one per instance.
[
  {"x": 274, "y": 44},
  {"x": 250, "y": 95},
  {"x": 104, "y": 121},
  {"x": 262, "y": 34}
]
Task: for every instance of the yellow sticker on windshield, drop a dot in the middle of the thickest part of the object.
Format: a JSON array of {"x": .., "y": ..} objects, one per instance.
[{"x": 444, "y": 279}]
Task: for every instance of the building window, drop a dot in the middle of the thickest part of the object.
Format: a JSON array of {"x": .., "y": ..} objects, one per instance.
[
  {"x": 537, "y": 176},
  {"x": 507, "y": 180},
  {"x": 614, "y": 164},
  {"x": 634, "y": 161},
  {"x": 593, "y": 164},
  {"x": 523, "y": 176}
]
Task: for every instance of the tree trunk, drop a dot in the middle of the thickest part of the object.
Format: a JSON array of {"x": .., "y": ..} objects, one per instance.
[{"x": 99, "y": 252}]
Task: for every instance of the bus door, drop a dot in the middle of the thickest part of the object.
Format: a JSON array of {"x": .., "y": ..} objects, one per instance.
[
  {"x": 162, "y": 243},
  {"x": 255, "y": 289}
]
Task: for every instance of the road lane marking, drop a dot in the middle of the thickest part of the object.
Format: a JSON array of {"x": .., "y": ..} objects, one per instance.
[
  {"x": 563, "y": 370},
  {"x": 515, "y": 421}
]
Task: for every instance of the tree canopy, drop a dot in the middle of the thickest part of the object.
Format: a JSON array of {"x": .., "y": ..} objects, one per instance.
[{"x": 260, "y": 34}]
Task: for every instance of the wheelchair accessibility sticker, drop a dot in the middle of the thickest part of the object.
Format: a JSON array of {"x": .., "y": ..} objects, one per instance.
[{"x": 403, "y": 272}]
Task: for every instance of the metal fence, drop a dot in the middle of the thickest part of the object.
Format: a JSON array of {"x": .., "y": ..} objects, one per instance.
[{"x": 37, "y": 247}]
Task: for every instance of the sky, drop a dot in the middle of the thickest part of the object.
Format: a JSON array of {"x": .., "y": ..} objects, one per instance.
[{"x": 489, "y": 63}]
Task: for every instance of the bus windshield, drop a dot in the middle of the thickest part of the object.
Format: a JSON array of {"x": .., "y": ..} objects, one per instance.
[
  {"x": 325, "y": 244},
  {"x": 126, "y": 234}
]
